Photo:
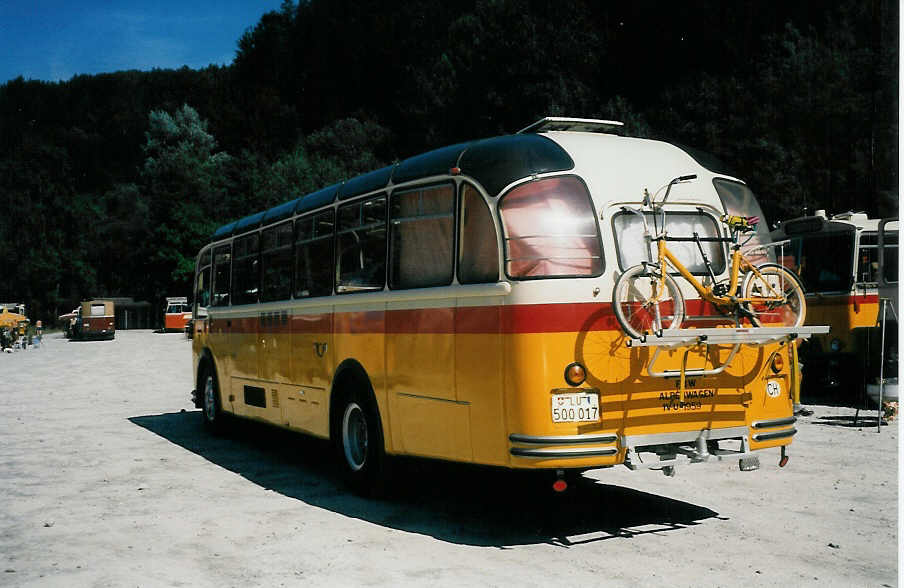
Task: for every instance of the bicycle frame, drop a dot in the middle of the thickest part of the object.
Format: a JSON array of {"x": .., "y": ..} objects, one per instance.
[
  {"x": 665, "y": 257},
  {"x": 738, "y": 263}
]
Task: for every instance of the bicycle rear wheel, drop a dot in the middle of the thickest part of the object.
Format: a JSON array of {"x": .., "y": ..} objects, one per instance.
[
  {"x": 639, "y": 305},
  {"x": 791, "y": 311}
]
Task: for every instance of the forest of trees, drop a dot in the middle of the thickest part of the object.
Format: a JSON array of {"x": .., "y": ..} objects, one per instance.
[{"x": 109, "y": 184}]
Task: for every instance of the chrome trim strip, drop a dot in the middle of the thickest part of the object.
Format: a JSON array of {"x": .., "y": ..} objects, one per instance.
[
  {"x": 302, "y": 304},
  {"x": 684, "y": 436},
  {"x": 773, "y": 423},
  {"x": 775, "y": 435},
  {"x": 563, "y": 439},
  {"x": 462, "y": 402},
  {"x": 568, "y": 452}
]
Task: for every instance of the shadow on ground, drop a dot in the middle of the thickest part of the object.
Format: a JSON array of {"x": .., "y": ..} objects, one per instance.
[
  {"x": 457, "y": 503},
  {"x": 866, "y": 419}
]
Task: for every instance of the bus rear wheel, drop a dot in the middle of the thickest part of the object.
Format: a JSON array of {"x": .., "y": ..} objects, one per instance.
[{"x": 360, "y": 445}]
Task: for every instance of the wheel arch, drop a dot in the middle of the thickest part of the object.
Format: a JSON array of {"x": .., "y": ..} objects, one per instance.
[
  {"x": 350, "y": 375},
  {"x": 205, "y": 358}
]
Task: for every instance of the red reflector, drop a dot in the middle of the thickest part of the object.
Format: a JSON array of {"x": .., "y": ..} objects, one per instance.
[
  {"x": 455, "y": 171},
  {"x": 778, "y": 362},
  {"x": 559, "y": 485}
]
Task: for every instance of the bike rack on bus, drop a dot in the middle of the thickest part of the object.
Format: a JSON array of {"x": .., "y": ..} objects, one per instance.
[{"x": 692, "y": 338}]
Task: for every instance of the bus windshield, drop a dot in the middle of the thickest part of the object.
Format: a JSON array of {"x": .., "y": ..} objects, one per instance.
[{"x": 824, "y": 261}]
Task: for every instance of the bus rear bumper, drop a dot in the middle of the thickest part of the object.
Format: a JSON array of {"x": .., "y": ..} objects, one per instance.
[
  {"x": 563, "y": 446},
  {"x": 667, "y": 450}
]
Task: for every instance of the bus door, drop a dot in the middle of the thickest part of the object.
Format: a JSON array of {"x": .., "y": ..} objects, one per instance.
[
  {"x": 219, "y": 327},
  {"x": 889, "y": 304},
  {"x": 888, "y": 262},
  {"x": 313, "y": 354},
  {"x": 251, "y": 398},
  {"x": 420, "y": 330},
  {"x": 274, "y": 329}
]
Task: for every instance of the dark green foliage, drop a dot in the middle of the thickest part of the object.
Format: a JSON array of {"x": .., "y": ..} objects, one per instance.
[{"x": 109, "y": 184}]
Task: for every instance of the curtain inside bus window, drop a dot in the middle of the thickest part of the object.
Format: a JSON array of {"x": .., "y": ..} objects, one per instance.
[
  {"x": 246, "y": 269},
  {"x": 276, "y": 262},
  {"x": 222, "y": 259},
  {"x": 97, "y": 310},
  {"x": 361, "y": 258},
  {"x": 550, "y": 230},
  {"x": 739, "y": 200},
  {"x": 478, "y": 260},
  {"x": 314, "y": 255},
  {"x": 632, "y": 250},
  {"x": 422, "y": 226}
]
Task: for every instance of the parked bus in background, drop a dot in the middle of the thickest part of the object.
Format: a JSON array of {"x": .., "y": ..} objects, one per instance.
[
  {"x": 457, "y": 306},
  {"x": 848, "y": 267},
  {"x": 177, "y": 314},
  {"x": 96, "y": 320}
]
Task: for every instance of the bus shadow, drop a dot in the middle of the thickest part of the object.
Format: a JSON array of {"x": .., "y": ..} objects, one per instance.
[{"x": 462, "y": 504}]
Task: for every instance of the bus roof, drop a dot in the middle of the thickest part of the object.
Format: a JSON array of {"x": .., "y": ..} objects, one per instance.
[{"x": 494, "y": 162}]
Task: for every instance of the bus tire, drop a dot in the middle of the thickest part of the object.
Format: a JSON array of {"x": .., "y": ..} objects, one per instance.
[
  {"x": 359, "y": 444},
  {"x": 211, "y": 409},
  {"x": 631, "y": 302}
]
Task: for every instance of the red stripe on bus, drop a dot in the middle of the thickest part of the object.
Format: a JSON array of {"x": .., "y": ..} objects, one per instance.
[
  {"x": 841, "y": 299},
  {"x": 523, "y": 319}
]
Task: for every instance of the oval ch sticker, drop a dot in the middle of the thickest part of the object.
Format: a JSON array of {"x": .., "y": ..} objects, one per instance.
[{"x": 773, "y": 388}]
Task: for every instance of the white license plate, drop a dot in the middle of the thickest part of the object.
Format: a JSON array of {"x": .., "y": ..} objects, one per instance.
[{"x": 575, "y": 408}]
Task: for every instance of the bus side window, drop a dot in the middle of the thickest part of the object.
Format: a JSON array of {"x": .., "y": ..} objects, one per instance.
[
  {"x": 222, "y": 259},
  {"x": 421, "y": 245},
  {"x": 478, "y": 258},
  {"x": 246, "y": 273},
  {"x": 868, "y": 259},
  {"x": 276, "y": 262},
  {"x": 361, "y": 238},
  {"x": 550, "y": 230},
  {"x": 314, "y": 255}
]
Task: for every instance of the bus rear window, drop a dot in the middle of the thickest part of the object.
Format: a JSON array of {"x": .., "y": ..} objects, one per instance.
[
  {"x": 632, "y": 248},
  {"x": 550, "y": 230}
]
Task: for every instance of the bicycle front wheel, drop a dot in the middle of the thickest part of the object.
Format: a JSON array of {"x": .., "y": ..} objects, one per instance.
[
  {"x": 765, "y": 310},
  {"x": 642, "y": 305}
]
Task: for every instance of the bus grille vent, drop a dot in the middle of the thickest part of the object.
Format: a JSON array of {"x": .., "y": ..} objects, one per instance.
[{"x": 275, "y": 397}]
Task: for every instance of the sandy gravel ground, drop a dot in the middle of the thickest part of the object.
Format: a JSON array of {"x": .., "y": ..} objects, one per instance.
[{"x": 106, "y": 479}]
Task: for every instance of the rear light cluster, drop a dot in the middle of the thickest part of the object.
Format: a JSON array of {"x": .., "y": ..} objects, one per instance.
[{"x": 778, "y": 362}]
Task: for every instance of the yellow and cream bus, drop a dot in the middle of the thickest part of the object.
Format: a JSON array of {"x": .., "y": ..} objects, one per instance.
[
  {"x": 849, "y": 267},
  {"x": 457, "y": 306}
]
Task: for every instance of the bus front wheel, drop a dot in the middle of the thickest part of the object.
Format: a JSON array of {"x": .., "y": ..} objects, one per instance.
[
  {"x": 360, "y": 445},
  {"x": 211, "y": 413}
]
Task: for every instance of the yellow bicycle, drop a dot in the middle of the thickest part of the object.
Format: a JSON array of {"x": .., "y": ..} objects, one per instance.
[{"x": 647, "y": 299}]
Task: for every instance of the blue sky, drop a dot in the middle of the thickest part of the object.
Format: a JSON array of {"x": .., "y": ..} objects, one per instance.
[{"x": 54, "y": 40}]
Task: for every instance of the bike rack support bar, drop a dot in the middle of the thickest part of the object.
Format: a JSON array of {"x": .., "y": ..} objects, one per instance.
[{"x": 736, "y": 337}]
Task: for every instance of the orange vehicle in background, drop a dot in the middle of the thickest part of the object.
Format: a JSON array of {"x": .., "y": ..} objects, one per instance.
[
  {"x": 177, "y": 315},
  {"x": 96, "y": 320}
]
